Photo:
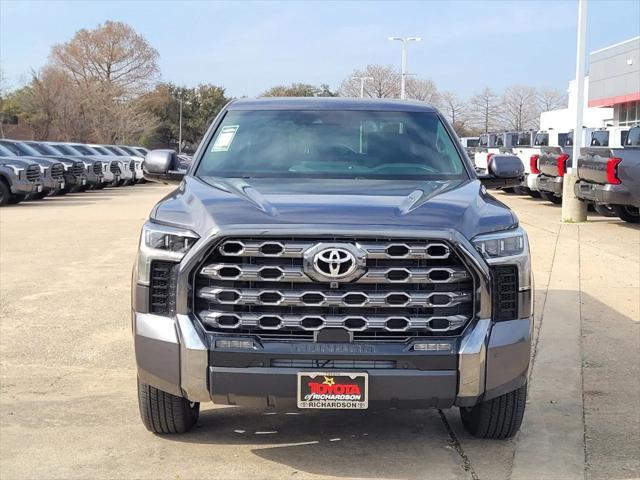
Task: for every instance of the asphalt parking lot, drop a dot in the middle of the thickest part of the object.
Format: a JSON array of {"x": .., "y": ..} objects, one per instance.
[{"x": 68, "y": 406}]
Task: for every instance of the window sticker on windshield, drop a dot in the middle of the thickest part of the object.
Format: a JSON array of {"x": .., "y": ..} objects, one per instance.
[{"x": 223, "y": 142}]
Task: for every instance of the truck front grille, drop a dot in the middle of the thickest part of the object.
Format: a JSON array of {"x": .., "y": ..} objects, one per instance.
[
  {"x": 266, "y": 288},
  {"x": 33, "y": 173},
  {"x": 132, "y": 166},
  {"x": 97, "y": 168},
  {"x": 78, "y": 169},
  {"x": 115, "y": 168},
  {"x": 57, "y": 171}
]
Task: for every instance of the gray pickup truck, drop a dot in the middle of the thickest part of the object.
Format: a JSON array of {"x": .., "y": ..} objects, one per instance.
[
  {"x": 611, "y": 176},
  {"x": 18, "y": 179},
  {"x": 331, "y": 253},
  {"x": 53, "y": 182}
]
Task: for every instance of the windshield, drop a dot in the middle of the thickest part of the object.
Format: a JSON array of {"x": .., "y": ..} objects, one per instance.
[
  {"x": 63, "y": 149},
  {"x": 331, "y": 144},
  {"x": 43, "y": 149},
  {"x": 115, "y": 151},
  {"x": 5, "y": 152},
  {"x": 130, "y": 151},
  {"x": 143, "y": 151},
  {"x": 19, "y": 149}
]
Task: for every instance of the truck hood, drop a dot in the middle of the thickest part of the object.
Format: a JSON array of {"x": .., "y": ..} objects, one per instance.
[{"x": 205, "y": 205}]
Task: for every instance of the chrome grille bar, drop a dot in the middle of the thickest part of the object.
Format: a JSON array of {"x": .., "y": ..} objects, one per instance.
[
  {"x": 295, "y": 249},
  {"x": 267, "y": 321},
  {"x": 239, "y": 272},
  {"x": 313, "y": 298}
]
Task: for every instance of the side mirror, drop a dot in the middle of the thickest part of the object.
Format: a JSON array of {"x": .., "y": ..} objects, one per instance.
[
  {"x": 504, "y": 171},
  {"x": 162, "y": 166}
]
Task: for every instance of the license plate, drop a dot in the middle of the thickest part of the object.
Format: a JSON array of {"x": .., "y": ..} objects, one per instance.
[
  {"x": 39, "y": 188},
  {"x": 61, "y": 184},
  {"x": 324, "y": 390},
  {"x": 83, "y": 181}
]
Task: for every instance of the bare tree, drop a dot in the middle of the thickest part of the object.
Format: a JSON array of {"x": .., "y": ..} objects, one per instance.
[
  {"x": 113, "y": 53},
  {"x": 385, "y": 82},
  {"x": 519, "y": 108},
  {"x": 550, "y": 99},
  {"x": 422, "y": 89},
  {"x": 454, "y": 110},
  {"x": 484, "y": 108}
]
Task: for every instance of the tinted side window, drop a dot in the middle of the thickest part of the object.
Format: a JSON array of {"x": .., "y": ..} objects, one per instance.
[
  {"x": 633, "y": 138},
  {"x": 623, "y": 136},
  {"x": 600, "y": 139}
]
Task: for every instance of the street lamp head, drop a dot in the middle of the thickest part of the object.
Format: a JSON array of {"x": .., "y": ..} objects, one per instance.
[
  {"x": 414, "y": 39},
  {"x": 395, "y": 38}
]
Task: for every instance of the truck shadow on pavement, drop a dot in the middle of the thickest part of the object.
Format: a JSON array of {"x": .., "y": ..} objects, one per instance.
[
  {"x": 401, "y": 444},
  {"x": 88, "y": 197},
  {"x": 372, "y": 444}
]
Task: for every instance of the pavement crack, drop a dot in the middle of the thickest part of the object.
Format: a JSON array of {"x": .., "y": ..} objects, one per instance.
[
  {"x": 455, "y": 443},
  {"x": 582, "y": 354},
  {"x": 534, "y": 353}
]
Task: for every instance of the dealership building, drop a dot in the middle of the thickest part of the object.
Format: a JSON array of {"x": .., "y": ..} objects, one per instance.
[
  {"x": 614, "y": 80},
  {"x": 612, "y": 90}
]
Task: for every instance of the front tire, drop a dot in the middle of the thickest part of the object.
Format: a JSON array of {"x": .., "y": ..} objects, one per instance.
[
  {"x": 550, "y": 197},
  {"x": 604, "y": 210},
  {"x": 627, "y": 213},
  {"x": 5, "y": 193},
  {"x": 497, "y": 418},
  {"x": 162, "y": 412}
]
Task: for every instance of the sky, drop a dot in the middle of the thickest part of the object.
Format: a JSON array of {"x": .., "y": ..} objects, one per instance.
[{"x": 248, "y": 47}]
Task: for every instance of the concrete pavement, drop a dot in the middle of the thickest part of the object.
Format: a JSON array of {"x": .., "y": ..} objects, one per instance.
[{"x": 67, "y": 379}]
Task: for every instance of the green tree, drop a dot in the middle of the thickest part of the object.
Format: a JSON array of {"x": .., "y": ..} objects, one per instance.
[
  {"x": 199, "y": 106},
  {"x": 300, "y": 90}
]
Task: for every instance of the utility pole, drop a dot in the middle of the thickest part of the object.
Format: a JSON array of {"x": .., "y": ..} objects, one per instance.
[
  {"x": 403, "y": 65},
  {"x": 362, "y": 80},
  {"x": 180, "y": 125},
  {"x": 574, "y": 209}
]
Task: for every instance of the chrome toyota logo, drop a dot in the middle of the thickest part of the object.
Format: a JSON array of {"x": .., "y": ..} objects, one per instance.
[{"x": 334, "y": 262}]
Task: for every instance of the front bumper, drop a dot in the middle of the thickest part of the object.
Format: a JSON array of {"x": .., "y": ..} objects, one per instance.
[
  {"x": 75, "y": 180},
  {"x": 52, "y": 184},
  {"x": 607, "y": 194},
  {"x": 94, "y": 178},
  {"x": 550, "y": 184},
  {"x": 24, "y": 187},
  {"x": 174, "y": 354}
]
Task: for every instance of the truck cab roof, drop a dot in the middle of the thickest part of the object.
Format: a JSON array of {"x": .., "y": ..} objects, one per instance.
[{"x": 330, "y": 103}]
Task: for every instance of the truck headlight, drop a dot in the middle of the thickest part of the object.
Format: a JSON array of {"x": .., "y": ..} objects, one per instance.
[
  {"x": 16, "y": 170},
  {"x": 161, "y": 242},
  {"x": 507, "y": 254},
  {"x": 501, "y": 245}
]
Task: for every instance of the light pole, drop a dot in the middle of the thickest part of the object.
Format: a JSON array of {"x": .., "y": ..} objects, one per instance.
[
  {"x": 180, "y": 125},
  {"x": 574, "y": 209},
  {"x": 403, "y": 68},
  {"x": 362, "y": 80}
]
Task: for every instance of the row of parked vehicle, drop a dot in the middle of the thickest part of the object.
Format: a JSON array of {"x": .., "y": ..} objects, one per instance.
[
  {"x": 31, "y": 170},
  {"x": 608, "y": 168}
]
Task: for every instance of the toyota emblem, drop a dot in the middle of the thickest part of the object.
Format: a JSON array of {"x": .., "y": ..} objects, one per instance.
[{"x": 334, "y": 262}]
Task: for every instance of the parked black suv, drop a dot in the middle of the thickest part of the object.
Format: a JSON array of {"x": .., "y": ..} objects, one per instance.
[{"x": 332, "y": 253}]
